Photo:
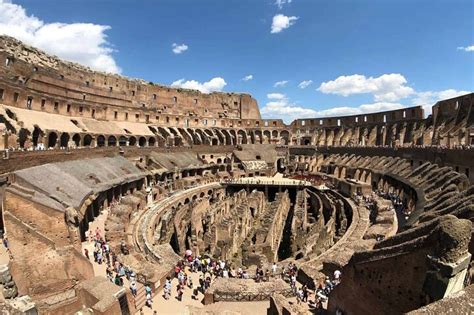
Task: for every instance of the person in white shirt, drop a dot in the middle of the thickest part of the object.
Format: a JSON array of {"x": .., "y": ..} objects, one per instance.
[{"x": 274, "y": 269}]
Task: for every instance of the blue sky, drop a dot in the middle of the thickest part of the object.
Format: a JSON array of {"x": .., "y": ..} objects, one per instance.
[{"x": 360, "y": 56}]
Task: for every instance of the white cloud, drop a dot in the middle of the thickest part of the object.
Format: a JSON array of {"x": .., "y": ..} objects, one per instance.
[
  {"x": 178, "y": 49},
  {"x": 281, "y": 22},
  {"x": 387, "y": 87},
  {"x": 280, "y": 106},
  {"x": 85, "y": 43},
  {"x": 428, "y": 98},
  {"x": 276, "y": 96},
  {"x": 247, "y": 77},
  {"x": 280, "y": 83},
  {"x": 280, "y": 3},
  {"x": 468, "y": 48},
  {"x": 213, "y": 85},
  {"x": 305, "y": 84}
]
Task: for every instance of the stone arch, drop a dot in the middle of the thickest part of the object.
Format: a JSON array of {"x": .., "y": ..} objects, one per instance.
[
  {"x": 228, "y": 137},
  {"x": 64, "y": 140},
  {"x": 242, "y": 137},
  {"x": 220, "y": 136},
  {"x": 76, "y": 138},
  {"x": 87, "y": 140},
  {"x": 111, "y": 141},
  {"x": 123, "y": 141},
  {"x": 357, "y": 174},
  {"x": 151, "y": 141},
  {"x": 37, "y": 133},
  {"x": 195, "y": 137},
  {"x": 142, "y": 141},
  {"x": 343, "y": 172},
  {"x": 100, "y": 141},
  {"x": 368, "y": 177},
  {"x": 267, "y": 136},
  {"x": 285, "y": 136},
  {"x": 132, "y": 141},
  {"x": 204, "y": 137},
  {"x": 185, "y": 134},
  {"x": 52, "y": 139},
  {"x": 23, "y": 136},
  {"x": 275, "y": 134},
  {"x": 258, "y": 136}
]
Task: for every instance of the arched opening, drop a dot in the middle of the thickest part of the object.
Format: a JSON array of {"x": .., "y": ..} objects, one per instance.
[
  {"x": 112, "y": 141},
  {"x": 64, "y": 139},
  {"x": 151, "y": 142},
  {"x": 132, "y": 141},
  {"x": 142, "y": 141},
  {"x": 285, "y": 136},
  {"x": 123, "y": 141},
  {"x": 52, "y": 139},
  {"x": 214, "y": 141},
  {"x": 23, "y": 136},
  {"x": 242, "y": 136},
  {"x": 77, "y": 140},
  {"x": 266, "y": 136},
  {"x": 36, "y": 134},
  {"x": 100, "y": 141},
  {"x": 87, "y": 141},
  {"x": 281, "y": 165}
]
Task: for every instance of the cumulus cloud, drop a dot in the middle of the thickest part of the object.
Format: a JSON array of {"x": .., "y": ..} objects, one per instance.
[
  {"x": 178, "y": 49},
  {"x": 214, "y": 85},
  {"x": 280, "y": 83},
  {"x": 385, "y": 88},
  {"x": 305, "y": 84},
  {"x": 85, "y": 43},
  {"x": 428, "y": 98},
  {"x": 468, "y": 48},
  {"x": 280, "y": 106},
  {"x": 281, "y": 3},
  {"x": 276, "y": 96},
  {"x": 281, "y": 22},
  {"x": 247, "y": 77}
]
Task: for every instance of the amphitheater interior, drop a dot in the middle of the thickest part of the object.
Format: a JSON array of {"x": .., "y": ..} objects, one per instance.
[{"x": 385, "y": 198}]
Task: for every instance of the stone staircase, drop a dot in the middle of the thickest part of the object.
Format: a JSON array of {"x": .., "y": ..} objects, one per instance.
[{"x": 140, "y": 299}]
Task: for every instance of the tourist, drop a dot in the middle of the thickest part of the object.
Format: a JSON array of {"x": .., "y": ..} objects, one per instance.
[
  {"x": 299, "y": 295},
  {"x": 118, "y": 281},
  {"x": 274, "y": 269},
  {"x": 305, "y": 293},
  {"x": 86, "y": 253},
  {"x": 133, "y": 288},
  {"x": 337, "y": 276},
  {"x": 5, "y": 242},
  {"x": 167, "y": 288},
  {"x": 179, "y": 297},
  {"x": 149, "y": 301},
  {"x": 201, "y": 283}
]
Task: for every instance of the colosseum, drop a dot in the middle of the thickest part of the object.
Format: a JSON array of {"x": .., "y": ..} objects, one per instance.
[{"x": 121, "y": 196}]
